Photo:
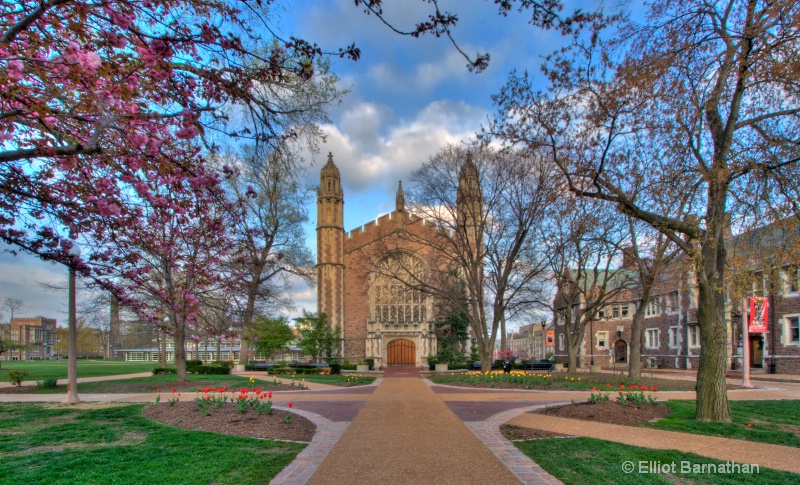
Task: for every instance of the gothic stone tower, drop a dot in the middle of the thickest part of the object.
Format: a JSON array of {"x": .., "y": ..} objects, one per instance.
[
  {"x": 469, "y": 203},
  {"x": 330, "y": 240}
]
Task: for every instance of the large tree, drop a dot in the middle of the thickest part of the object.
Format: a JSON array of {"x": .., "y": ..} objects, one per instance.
[
  {"x": 269, "y": 335},
  {"x": 486, "y": 205},
  {"x": 102, "y": 101},
  {"x": 700, "y": 102},
  {"x": 269, "y": 238},
  {"x": 583, "y": 241}
]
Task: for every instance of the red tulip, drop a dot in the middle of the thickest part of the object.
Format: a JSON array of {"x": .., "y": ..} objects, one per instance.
[
  {"x": 159, "y": 390},
  {"x": 608, "y": 385},
  {"x": 290, "y": 405},
  {"x": 269, "y": 395},
  {"x": 173, "y": 390}
]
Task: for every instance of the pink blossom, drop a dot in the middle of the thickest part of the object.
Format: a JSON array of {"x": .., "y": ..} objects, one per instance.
[{"x": 15, "y": 70}]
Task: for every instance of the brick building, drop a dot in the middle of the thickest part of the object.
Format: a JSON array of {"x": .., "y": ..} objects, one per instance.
[
  {"x": 37, "y": 336},
  {"x": 671, "y": 334},
  {"x": 368, "y": 279}
]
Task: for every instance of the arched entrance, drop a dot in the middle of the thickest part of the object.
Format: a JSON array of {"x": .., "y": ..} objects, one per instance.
[
  {"x": 620, "y": 351},
  {"x": 401, "y": 352}
]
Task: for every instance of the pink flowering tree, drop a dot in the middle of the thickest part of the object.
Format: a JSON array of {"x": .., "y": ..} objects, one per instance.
[{"x": 106, "y": 112}]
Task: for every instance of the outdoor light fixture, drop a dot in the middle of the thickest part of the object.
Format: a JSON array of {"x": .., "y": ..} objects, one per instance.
[{"x": 544, "y": 340}]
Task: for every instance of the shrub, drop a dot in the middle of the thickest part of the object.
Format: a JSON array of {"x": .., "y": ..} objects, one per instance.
[
  {"x": 50, "y": 383},
  {"x": 191, "y": 364},
  {"x": 224, "y": 363},
  {"x": 164, "y": 371},
  {"x": 336, "y": 368},
  {"x": 370, "y": 363},
  {"x": 17, "y": 376},
  {"x": 432, "y": 361},
  {"x": 209, "y": 370}
]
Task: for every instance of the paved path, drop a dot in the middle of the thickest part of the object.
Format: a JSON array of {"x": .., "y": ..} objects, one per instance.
[
  {"x": 406, "y": 434},
  {"x": 86, "y": 379}
]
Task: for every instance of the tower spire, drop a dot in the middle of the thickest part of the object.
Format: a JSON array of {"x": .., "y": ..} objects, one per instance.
[{"x": 400, "y": 200}]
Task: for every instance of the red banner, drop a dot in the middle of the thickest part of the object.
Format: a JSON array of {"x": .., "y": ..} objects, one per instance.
[{"x": 759, "y": 312}]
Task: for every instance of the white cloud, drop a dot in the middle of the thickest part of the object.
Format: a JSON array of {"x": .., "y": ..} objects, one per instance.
[{"x": 372, "y": 148}]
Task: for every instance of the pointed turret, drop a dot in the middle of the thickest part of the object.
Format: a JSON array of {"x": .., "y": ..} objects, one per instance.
[
  {"x": 400, "y": 200},
  {"x": 469, "y": 203},
  {"x": 330, "y": 244}
]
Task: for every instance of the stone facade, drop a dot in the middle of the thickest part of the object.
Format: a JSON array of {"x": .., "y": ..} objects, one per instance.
[
  {"x": 366, "y": 279},
  {"x": 38, "y": 334}
]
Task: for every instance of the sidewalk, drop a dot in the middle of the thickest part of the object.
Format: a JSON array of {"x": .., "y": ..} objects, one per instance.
[
  {"x": 784, "y": 458},
  {"x": 406, "y": 434}
]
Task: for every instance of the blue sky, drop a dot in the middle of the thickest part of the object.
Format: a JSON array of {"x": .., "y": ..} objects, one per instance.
[{"x": 408, "y": 98}]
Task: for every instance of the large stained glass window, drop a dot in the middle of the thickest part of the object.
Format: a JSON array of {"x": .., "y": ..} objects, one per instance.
[{"x": 394, "y": 290}]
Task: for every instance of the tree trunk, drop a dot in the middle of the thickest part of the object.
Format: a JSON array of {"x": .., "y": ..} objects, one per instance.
[
  {"x": 180, "y": 352},
  {"x": 712, "y": 395},
  {"x": 247, "y": 319},
  {"x": 572, "y": 354},
  {"x": 635, "y": 347},
  {"x": 503, "y": 335},
  {"x": 163, "y": 357},
  {"x": 635, "y": 359},
  {"x": 486, "y": 358}
]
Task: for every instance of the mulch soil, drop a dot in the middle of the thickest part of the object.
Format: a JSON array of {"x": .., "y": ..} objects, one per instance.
[
  {"x": 604, "y": 412},
  {"x": 609, "y": 412},
  {"x": 227, "y": 420}
]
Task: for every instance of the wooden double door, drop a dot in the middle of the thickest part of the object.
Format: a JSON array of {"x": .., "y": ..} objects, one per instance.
[{"x": 401, "y": 352}]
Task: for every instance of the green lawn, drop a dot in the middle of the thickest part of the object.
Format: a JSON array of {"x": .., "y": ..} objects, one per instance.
[
  {"x": 352, "y": 380},
  {"x": 113, "y": 443},
  {"x": 776, "y": 422},
  {"x": 163, "y": 382},
  {"x": 57, "y": 369},
  {"x": 581, "y": 461}
]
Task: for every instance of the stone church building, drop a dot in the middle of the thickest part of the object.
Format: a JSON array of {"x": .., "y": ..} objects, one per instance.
[{"x": 369, "y": 279}]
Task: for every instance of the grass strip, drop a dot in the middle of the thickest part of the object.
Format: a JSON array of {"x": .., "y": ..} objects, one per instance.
[
  {"x": 351, "y": 380},
  {"x": 776, "y": 422},
  {"x": 580, "y": 461},
  {"x": 99, "y": 444}
]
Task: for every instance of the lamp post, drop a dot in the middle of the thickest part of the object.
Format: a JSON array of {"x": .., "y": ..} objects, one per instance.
[
  {"x": 544, "y": 340},
  {"x": 72, "y": 357}
]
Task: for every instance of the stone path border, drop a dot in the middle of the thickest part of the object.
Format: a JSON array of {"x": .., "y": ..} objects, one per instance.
[
  {"x": 307, "y": 462},
  {"x": 488, "y": 431}
]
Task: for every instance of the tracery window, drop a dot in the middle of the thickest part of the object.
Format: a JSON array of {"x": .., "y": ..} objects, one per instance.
[{"x": 394, "y": 298}]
